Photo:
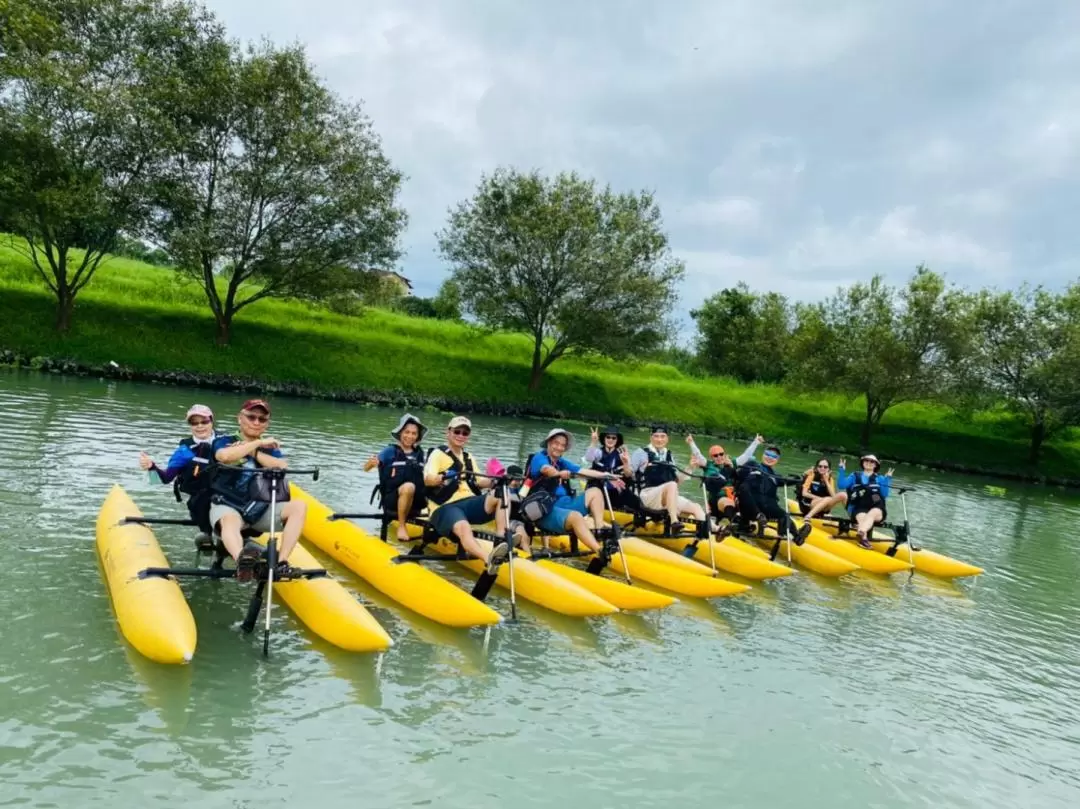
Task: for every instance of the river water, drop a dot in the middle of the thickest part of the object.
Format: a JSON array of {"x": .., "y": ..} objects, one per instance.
[{"x": 870, "y": 692}]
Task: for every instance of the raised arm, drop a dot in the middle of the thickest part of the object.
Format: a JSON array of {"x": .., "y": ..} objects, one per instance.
[{"x": 750, "y": 450}]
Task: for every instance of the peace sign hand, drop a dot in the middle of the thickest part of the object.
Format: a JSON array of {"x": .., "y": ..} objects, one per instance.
[{"x": 594, "y": 435}]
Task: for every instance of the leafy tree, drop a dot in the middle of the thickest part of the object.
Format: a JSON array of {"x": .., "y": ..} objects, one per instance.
[
  {"x": 1027, "y": 352},
  {"x": 274, "y": 186},
  {"x": 580, "y": 269},
  {"x": 885, "y": 344},
  {"x": 744, "y": 335},
  {"x": 80, "y": 136},
  {"x": 447, "y": 301}
]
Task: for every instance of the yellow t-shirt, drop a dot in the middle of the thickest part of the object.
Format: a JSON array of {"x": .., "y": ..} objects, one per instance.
[{"x": 439, "y": 462}]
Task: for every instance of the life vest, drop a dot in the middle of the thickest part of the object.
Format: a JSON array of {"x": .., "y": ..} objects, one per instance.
[
  {"x": 818, "y": 487},
  {"x": 720, "y": 480},
  {"x": 228, "y": 483},
  {"x": 440, "y": 494},
  {"x": 192, "y": 479},
  {"x": 403, "y": 468},
  {"x": 656, "y": 474},
  {"x": 550, "y": 484},
  {"x": 864, "y": 496},
  {"x": 758, "y": 479}
]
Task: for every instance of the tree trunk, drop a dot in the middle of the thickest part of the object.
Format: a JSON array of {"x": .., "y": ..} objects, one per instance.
[
  {"x": 537, "y": 368},
  {"x": 65, "y": 305},
  {"x": 224, "y": 329},
  {"x": 1038, "y": 435},
  {"x": 868, "y": 423}
]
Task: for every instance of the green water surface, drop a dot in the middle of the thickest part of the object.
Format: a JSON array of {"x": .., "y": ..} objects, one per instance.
[{"x": 863, "y": 692}]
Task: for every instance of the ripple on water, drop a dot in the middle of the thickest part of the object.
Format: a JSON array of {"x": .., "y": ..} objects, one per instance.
[{"x": 863, "y": 691}]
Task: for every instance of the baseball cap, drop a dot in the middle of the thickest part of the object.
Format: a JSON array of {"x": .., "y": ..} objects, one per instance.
[
  {"x": 199, "y": 410},
  {"x": 459, "y": 421},
  {"x": 251, "y": 404},
  {"x": 659, "y": 428}
]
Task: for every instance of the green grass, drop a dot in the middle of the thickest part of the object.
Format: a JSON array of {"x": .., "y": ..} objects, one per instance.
[{"x": 151, "y": 319}]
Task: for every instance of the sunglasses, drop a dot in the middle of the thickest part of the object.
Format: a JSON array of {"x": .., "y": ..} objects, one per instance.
[
  {"x": 199, "y": 422},
  {"x": 822, "y": 466},
  {"x": 255, "y": 417},
  {"x": 772, "y": 456},
  {"x": 718, "y": 454},
  {"x": 462, "y": 431}
]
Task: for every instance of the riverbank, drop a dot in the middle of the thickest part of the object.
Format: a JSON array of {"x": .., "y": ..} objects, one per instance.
[{"x": 143, "y": 323}]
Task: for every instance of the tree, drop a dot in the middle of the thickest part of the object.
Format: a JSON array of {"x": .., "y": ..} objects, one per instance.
[
  {"x": 887, "y": 345},
  {"x": 447, "y": 301},
  {"x": 1027, "y": 352},
  {"x": 80, "y": 138},
  {"x": 744, "y": 335},
  {"x": 578, "y": 268},
  {"x": 274, "y": 186}
]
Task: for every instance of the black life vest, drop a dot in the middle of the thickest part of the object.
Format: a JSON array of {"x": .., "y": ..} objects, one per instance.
[
  {"x": 227, "y": 482},
  {"x": 404, "y": 468},
  {"x": 818, "y": 488},
  {"x": 760, "y": 480},
  {"x": 192, "y": 478},
  {"x": 194, "y": 481},
  {"x": 440, "y": 494},
  {"x": 661, "y": 469},
  {"x": 608, "y": 462},
  {"x": 864, "y": 496}
]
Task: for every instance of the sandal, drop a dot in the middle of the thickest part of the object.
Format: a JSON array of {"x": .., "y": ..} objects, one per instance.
[{"x": 863, "y": 541}]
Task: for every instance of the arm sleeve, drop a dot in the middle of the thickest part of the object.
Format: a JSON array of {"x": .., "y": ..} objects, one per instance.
[
  {"x": 180, "y": 458},
  {"x": 539, "y": 461},
  {"x": 886, "y": 484},
  {"x": 844, "y": 480},
  {"x": 696, "y": 453},
  {"x": 638, "y": 460},
  {"x": 747, "y": 454},
  {"x": 592, "y": 455},
  {"x": 385, "y": 456}
]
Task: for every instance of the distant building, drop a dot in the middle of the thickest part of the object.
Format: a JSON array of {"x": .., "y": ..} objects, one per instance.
[{"x": 397, "y": 278}]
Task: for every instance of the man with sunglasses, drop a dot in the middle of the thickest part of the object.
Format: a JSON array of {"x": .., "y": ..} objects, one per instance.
[
  {"x": 757, "y": 491},
  {"x": 232, "y": 510},
  {"x": 455, "y": 494},
  {"x": 719, "y": 471}
]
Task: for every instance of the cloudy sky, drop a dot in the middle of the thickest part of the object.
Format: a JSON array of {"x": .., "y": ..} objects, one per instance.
[{"x": 793, "y": 144}]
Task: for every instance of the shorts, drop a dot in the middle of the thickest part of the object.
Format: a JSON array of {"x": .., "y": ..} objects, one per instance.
[
  {"x": 855, "y": 512},
  {"x": 650, "y": 499},
  {"x": 262, "y": 525},
  {"x": 469, "y": 509},
  {"x": 555, "y": 521}
]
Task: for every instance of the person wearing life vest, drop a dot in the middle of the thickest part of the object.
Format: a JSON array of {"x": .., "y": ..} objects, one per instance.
[
  {"x": 818, "y": 494},
  {"x": 866, "y": 492},
  {"x": 455, "y": 494},
  {"x": 231, "y": 508},
  {"x": 401, "y": 473},
  {"x": 187, "y": 464},
  {"x": 655, "y": 470},
  {"x": 607, "y": 453},
  {"x": 719, "y": 471},
  {"x": 548, "y": 469},
  {"x": 757, "y": 490}
]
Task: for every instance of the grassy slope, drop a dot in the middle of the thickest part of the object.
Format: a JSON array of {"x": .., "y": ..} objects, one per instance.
[{"x": 148, "y": 318}]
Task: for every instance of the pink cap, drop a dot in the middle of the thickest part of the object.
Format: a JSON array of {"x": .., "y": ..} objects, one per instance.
[
  {"x": 199, "y": 410},
  {"x": 495, "y": 468}
]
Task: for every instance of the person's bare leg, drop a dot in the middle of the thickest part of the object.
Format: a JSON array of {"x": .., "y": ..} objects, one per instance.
[
  {"x": 594, "y": 502},
  {"x": 230, "y": 526},
  {"x": 823, "y": 505},
  {"x": 293, "y": 514},
  {"x": 576, "y": 523},
  {"x": 405, "y": 494},
  {"x": 463, "y": 531}
]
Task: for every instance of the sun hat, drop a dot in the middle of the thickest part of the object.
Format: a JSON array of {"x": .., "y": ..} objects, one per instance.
[
  {"x": 409, "y": 418},
  {"x": 611, "y": 429},
  {"x": 559, "y": 431}
]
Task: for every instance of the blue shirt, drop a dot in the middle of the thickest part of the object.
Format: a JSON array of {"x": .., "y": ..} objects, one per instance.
[
  {"x": 847, "y": 480},
  {"x": 541, "y": 459},
  {"x": 248, "y": 462}
]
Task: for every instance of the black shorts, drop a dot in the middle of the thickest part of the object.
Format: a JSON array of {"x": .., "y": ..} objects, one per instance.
[{"x": 884, "y": 514}]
